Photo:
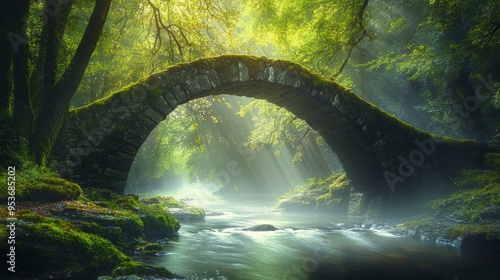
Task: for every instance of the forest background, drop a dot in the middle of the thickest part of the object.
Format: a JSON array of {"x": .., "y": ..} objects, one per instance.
[{"x": 433, "y": 64}]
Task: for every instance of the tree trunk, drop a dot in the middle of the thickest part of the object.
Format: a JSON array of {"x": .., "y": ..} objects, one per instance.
[
  {"x": 43, "y": 77},
  {"x": 23, "y": 114},
  {"x": 55, "y": 107},
  {"x": 5, "y": 59}
]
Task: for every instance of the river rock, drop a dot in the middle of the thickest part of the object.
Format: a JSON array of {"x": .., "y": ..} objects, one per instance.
[{"x": 263, "y": 227}]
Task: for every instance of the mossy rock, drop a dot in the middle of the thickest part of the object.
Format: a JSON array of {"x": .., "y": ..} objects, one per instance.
[
  {"x": 127, "y": 268},
  {"x": 36, "y": 184},
  {"x": 112, "y": 200},
  {"x": 157, "y": 223},
  {"x": 52, "y": 248},
  {"x": 330, "y": 194},
  {"x": 263, "y": 227},
  {"x": 179, "y": 210},
  {"x": 477, "y": 236},
  {"x": 121, "y": 227},
  {"x": 149, "y": 248},
  {"x": 154, "y": 221},
  {"x": 50, "y": 189}
]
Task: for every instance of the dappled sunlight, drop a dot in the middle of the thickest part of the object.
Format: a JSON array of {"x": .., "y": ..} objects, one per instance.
[{"x": 219, "y": 153}]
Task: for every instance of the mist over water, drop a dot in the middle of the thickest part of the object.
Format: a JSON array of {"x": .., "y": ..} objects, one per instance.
[
  {"x": 244, "y": 184},
  {"x": 305, "y": 246}
]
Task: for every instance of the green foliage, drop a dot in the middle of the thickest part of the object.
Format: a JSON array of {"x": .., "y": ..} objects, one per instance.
[
  {"x": 319, "y": 34},
  {"x": 477, "y": 198},
  {"x": 448, "y": 55},
  {"x": 183, "y": 144},
  {"x": 277, "y": 127},
  {"x": 141, "y": 38}
]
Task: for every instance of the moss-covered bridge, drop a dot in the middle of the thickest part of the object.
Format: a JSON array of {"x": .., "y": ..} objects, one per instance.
[{"x": 98, "y": 142}]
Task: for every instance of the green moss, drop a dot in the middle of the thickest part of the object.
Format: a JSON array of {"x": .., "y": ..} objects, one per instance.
[
  {"x": 134, "y": 218},
  {"x": 148, "y": 248},
  {"x": 490, "y": 232},
  {"x": 35, "y": 184},
  {"x": 50, "y": 189},
  {"x": 477, "y": 198},
  {"x": 165, "y": 203},
  {"x": 62, "y": 249},
  {"x": 338, "y": 190},
  {"x": 329, "y": 194},
  {"x": 157, "y": 222},
  {"x": 112, "y": 200},
  {"x": 134, "y": 268},
  {"x": 413, "y": 224}
]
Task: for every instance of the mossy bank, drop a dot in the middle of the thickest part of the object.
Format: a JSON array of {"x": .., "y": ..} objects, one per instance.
[
  {"x": 468, "y": 217},
  {"x": 64, "y": 232},
  {"x": 465, "y": 214}
]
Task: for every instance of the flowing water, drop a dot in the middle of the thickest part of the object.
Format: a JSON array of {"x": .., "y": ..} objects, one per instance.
[{"x": 307, "y": 246}]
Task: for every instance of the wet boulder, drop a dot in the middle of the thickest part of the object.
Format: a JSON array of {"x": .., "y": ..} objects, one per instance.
[{"x": 263, "y": 227}]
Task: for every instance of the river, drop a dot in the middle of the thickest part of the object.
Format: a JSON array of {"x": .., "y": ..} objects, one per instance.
[{"x": 307, "y": 246}]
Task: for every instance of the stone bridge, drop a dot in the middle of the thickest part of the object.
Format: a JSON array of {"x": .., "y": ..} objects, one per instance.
[{"x": 98, "y": 142}]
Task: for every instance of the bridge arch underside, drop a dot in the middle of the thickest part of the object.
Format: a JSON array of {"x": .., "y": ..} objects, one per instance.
[{"x": 98, "y": 143}]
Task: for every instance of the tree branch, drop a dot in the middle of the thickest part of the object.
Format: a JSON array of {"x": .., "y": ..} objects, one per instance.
[{"x": 355, "y": 41}]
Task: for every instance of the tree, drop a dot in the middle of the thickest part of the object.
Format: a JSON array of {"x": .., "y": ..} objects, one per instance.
[
  {"x": 278, "y": 128},
  {"x": 142, "y": 37},
  {"x": 448, "y": 52},
  {"x": 49, "y": 47},
  {"x": 319, "y": 34},
  {"x": 40, "y": 121}
]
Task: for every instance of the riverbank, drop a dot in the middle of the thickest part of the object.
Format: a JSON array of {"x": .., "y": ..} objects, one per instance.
[
  {"x": 84, "y": 234},
  {"x": 64, "y": 232},
  {"x": 468, "y": 216}
]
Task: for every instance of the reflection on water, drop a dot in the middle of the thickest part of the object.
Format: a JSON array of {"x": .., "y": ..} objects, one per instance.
[{"x": 307, "y": 247}]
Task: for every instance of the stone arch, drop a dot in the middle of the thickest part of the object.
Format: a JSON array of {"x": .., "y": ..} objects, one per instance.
[{"x": 98, "y": 142}]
